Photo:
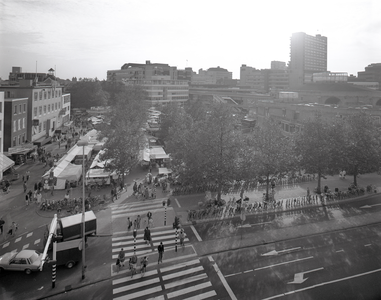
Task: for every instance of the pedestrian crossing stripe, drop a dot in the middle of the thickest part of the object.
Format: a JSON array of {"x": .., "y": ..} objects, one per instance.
[
  {"x": 127, "y": 242},
  {"x": 140, "y": 203},
  {"x": 177, "y": 281},
  {"x": 133, "y": 212}
]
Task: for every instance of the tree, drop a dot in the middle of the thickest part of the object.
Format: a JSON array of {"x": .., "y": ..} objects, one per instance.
[
  {"x": 360, "y": 147},
  {"x": 271, "y": 152},
  {"x": 316, "y": 148},
  {"x": 209, "y": 150},
  {"x": 125, "y": 134},
  {"x": 87, "y": 93}
]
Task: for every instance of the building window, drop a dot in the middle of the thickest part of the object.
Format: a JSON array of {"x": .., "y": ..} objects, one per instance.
[
  {"x": 23, "y": 123},
  {"x": 14, "y": 126},
  {"x": 48, "y": 94},
  {"x": 19, "y": 139},
  {"x": 24, "y": 107},
  {"x": 20, "y": 111},
  {"x": 44, "y": 109},
  {"x": 35, "y": 96},
  {"x": 44, "y": 95},
  {"x": 1, "y": 126},
  {"x": 56, "y": 106},
  {"x": 44, "y": 125},
  {"x": 14, "y": 141},
  {"x": 23, "y": 138},
  {"x": 35, "y": 111},
  {"x": 56, "y": 93},
  {"x": 19, "y": 122},
  {"x": 15, "y": 112},
  {"x": 39, "y": 127},
  {"x": 40, "y": 95},
  {"x": 48, "y": 108},
  {"x": 40, "y": 110},
  {"x": 59, "y": 105}
]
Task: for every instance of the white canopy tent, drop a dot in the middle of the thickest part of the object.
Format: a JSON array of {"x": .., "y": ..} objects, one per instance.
[{"x": 63, "y": 172}]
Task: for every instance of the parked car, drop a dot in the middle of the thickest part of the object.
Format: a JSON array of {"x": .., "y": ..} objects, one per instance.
[{"x": 25, "y": 260}]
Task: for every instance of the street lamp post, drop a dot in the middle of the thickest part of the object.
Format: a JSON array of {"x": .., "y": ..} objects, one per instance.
[{"x": 83, "y": 143}]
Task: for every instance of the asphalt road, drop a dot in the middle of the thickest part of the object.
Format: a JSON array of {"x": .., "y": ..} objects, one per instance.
[{"x": 339, "y": 265}]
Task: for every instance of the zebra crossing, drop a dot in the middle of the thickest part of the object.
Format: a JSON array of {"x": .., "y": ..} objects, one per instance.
[
  {"x": 139, "y": 208},
  {"x": 186, "y": 280}
]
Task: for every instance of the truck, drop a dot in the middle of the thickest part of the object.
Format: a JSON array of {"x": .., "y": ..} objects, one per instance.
[
  {"x": 68, "y": 253},
  {"x": 70, "y": 228}
]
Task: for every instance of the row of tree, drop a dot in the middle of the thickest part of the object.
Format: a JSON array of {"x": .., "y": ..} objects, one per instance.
[
  {"x": 210, "y": 149},
  {"x": 207, "y": 146}
]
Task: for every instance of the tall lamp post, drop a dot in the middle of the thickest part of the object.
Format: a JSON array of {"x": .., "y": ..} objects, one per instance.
[{"x": 83, "y": 143}]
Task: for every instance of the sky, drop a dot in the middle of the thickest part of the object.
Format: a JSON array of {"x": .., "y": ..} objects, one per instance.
[{"x": 86, "y": 38}]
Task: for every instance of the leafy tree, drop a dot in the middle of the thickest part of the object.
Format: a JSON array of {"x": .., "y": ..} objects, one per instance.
[
  {"x": 316, "y": 148},
  {"x": 169, "y": 114},
  {"x": 272, "y": 153},
  {"x": 86, "y": 93},
  {"x": 125, "y": 134},
  {"x": 208, "y": 151},
  {"x": 360, "y": 147}
]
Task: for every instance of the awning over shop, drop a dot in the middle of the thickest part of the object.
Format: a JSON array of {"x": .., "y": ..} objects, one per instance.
[
  {"x": 164, "y": 171},
  {"x": 158, "y": 153},
  {"x": 5, "y": 163},
  {"x": 42, "y": 141},
  {"x": 22, "y": 149}
]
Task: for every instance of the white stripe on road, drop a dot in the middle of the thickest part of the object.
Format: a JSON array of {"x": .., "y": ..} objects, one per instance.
[
  {"x": 134, "y": 213},
  {"x": 177, "y": 202},
  {"x": 132, "y": 286},
  {"x": 196, "y": 233},
  {"x": 128, "y": 278},
  {"x": 202, "y": 296},
  {"x": 222, "y": 278},
  {"x": 283, "y": 263},
  {"x": 182, "y": 273},
  {"x": 18, "y": 240},
  {"x": 170, "y": 240},
  {"x": 137, "y": 253},
  {"x": 140, "y": 294},
  {"x": 184, "y": 264},
  {"x": 322, "y": 284},
  {"x": 29, "y": 234},
  {"x": 185, "y": 281},
  {"x": 367, "y": 245},
  {"x": 37, "y": 241},
  {"x": 188, "y": 290},
  {"x": 25, "y": 246},
  {"x": 6, "y": 245}
]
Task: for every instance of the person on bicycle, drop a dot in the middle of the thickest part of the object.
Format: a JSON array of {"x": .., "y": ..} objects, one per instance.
[
  {"x": 143, "y": 263},
  {"x": 121, "y": 257}
]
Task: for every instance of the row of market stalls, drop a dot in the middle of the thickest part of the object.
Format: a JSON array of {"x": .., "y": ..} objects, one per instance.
[{"x": 68, "y": 170}]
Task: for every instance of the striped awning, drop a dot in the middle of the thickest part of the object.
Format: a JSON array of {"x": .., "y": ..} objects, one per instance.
[{"x": 5, "y": 162}]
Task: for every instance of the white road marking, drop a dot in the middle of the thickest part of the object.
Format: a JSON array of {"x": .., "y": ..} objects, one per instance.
[
  {"x": 185, "y": 281},
  {"x": 184, "y": 264},
  {"x": 25, "y": 246},
  {"x": 367, "y": 245},
  {"x": 196, "y": 233},
  {"x": 5, "y": 245},
  {"x": 29, "y": 234},
  {"x": 322, "y": 284},
  {"x": 283, "y": 263},
  {"x": 177, "y": 202},
  {"x": 203, "y": 296},
  {"x": 341, "y": 250},
  {"x": 275, "y": 252},
  {"x": 18, "y": 240},
  {"x": 37, "y": 241},
  {"x": 223, "y": 280},
  {"x": 229, "y": 275},
  {"x": 182, "y": 273},
  {"x": 189, "y": 289},
  {"x": 247, "y": 271}
]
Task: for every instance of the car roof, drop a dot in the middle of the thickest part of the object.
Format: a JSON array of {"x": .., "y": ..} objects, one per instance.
[{"x": 25, "y": 253}]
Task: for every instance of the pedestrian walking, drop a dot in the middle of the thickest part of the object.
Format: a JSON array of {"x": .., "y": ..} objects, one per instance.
[
  {"x": 135, "y": 188},
  {"x": 2, "y": 222},
  {"x": 27, "y": 199},
  {"x": 24, "y": 186},
  {"x": 30, "y": 194},
  {"x": 112, "y": 194},
  {"x": 135, "y": 225},
  {"x": 121, "y": 257},
  {"x": 129, "y": 224},
  {"x": 160, "y": 249},
  {"x": 27, "y": 175},
  {"x": 138, "y": 219},
  {"x": 36, "y": 186},
  {"x": 182, "y": 237},
  {"x": 147, "y": 235},
  {"x": 13, "y": 229}
]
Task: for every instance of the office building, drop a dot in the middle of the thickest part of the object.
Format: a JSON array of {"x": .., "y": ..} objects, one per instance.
[
  {"x": 308, "y": 55},
  {"x": 160, "y": 81}
]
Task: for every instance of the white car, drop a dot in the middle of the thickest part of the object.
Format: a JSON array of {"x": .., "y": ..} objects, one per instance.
[{"x": 25, "y": 260}]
